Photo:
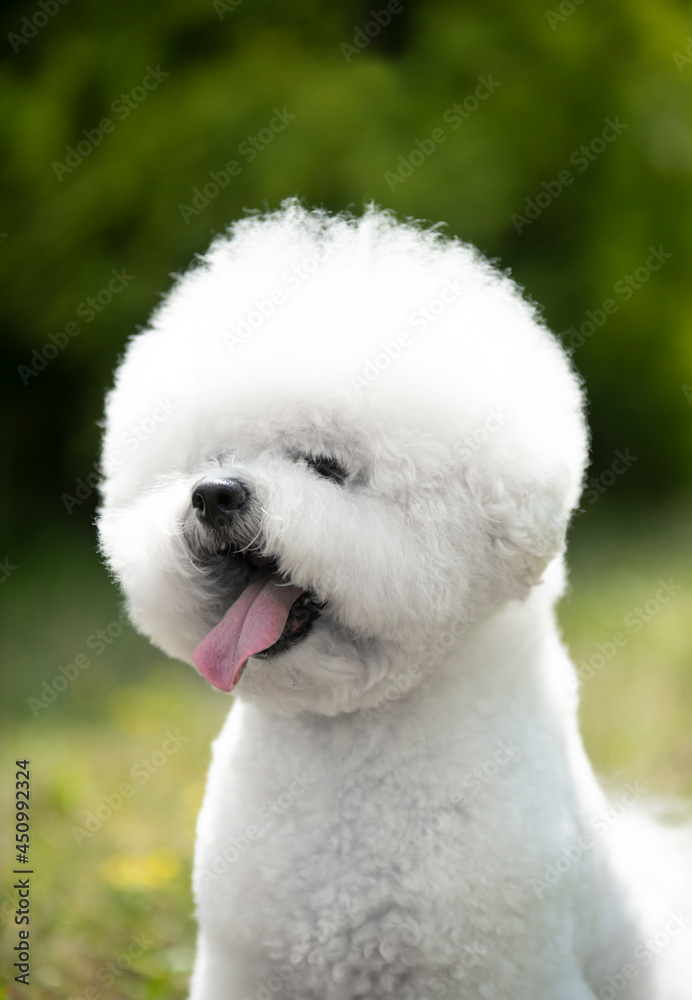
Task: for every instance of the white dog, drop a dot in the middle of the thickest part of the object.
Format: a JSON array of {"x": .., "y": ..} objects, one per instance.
[{"x": 350, "y": 511}]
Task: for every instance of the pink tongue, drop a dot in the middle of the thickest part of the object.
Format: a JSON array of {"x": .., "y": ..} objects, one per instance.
[{"x": 253, "y": 623}]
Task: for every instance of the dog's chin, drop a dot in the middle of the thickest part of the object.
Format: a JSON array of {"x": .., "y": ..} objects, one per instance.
[{"x": 327, "y": 673}]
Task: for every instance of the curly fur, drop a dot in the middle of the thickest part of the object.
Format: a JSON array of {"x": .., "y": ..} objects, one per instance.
[{"x": 387, "y": 792}]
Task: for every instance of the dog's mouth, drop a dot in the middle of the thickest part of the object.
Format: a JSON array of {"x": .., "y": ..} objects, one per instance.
[{"x": 267, "y": 617}]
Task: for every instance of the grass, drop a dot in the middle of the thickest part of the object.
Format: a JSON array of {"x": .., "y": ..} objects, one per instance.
[
  {"x": 124, "y": 870},
  {"x": 635, "y": 696},
  {"x": 115, "y": 888}
]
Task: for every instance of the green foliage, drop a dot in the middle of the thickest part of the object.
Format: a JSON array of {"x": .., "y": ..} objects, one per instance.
[{"x": 362, "y": 105}]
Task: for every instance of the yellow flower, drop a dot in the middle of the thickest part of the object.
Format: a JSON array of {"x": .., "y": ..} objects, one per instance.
[{"x": 149, "y": 871}]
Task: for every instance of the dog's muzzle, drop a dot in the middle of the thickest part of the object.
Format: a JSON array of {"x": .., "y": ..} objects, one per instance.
[{"x": 269, "y": 613}]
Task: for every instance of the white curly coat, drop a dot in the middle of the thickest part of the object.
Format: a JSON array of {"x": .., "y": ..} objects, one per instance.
[{"x": 399, "y": 805}]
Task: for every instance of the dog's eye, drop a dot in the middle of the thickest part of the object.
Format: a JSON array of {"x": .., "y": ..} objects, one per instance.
[{"x": 327, "y": 467}]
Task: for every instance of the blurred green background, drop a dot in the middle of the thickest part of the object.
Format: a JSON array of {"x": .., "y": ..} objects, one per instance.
[{"x": 565, "y": 153}]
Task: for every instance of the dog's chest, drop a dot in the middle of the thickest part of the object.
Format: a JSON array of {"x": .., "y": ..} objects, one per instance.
[
  {"x": 353, "y": 902},
  {"x": 341, "y": 868}
]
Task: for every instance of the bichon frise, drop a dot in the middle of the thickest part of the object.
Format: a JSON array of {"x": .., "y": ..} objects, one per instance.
[{"x": 351, "y": 513}]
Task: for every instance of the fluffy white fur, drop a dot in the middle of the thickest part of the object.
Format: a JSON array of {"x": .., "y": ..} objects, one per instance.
[{"x": 395, "y": 805}]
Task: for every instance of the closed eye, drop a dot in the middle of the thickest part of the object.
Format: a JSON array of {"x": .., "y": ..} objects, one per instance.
[{"x": 327, "y": 467}]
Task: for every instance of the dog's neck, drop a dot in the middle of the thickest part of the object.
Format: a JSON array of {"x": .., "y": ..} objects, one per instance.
[
  {"x": 513, "y": 654},
  {"x": 505, "y": 687}
]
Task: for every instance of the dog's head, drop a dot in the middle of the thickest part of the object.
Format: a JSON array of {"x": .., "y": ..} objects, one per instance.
[{"x": 338, "y": 440}]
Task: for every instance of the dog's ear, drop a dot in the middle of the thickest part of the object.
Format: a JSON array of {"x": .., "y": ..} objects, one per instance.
[{"x": 527, "y": 518}]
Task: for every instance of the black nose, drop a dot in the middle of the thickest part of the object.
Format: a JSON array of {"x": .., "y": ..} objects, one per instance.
[{"x": 217, "y": 500}]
